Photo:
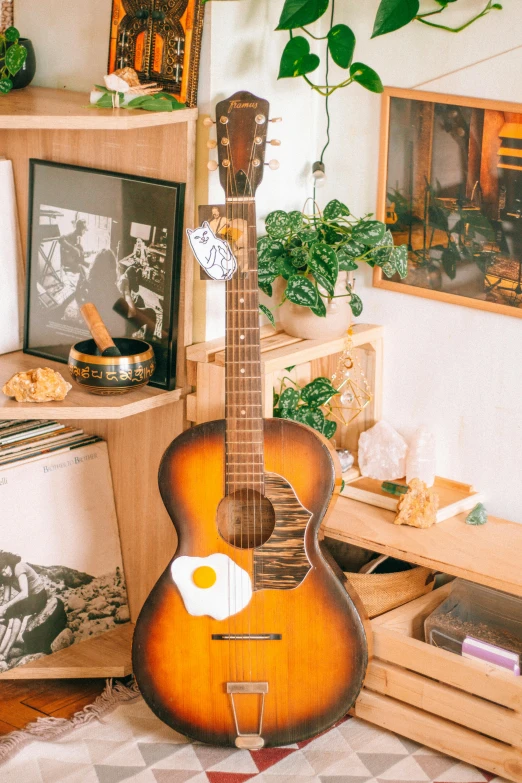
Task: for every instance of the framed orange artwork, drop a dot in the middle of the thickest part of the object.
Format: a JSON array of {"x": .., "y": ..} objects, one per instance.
[
  {"x": 451, "y": 189},
  {"x": 161, "y": 40}
]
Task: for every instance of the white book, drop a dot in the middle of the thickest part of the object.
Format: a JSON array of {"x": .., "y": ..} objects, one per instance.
[
  {"x": 57, "y": 515},
  {"x": 11, "y": 288}
]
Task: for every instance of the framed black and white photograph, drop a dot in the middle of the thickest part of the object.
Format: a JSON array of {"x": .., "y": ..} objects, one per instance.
[{"x": 107, "y": 238}]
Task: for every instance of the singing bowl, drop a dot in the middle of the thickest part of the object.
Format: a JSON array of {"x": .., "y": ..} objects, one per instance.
[{"x": 112, "y": 374}]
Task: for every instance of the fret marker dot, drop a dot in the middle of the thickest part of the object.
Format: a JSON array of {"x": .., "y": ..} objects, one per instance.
[
  {"x": 241, "y": 301},
  {"x": 242, "y": 337},
  {"x": 243, "y": 413},
  {"x": 242, "y": 369}
]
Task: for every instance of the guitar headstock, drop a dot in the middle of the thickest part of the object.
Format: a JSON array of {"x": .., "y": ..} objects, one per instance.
[{"x": 241, "y": 127}]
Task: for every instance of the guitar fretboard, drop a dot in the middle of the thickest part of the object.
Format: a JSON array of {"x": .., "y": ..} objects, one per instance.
[{"x": 243, "y": 396}]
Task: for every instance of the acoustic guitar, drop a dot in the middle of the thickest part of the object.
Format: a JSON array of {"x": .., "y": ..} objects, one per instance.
[{"x": 249, "y": 638}]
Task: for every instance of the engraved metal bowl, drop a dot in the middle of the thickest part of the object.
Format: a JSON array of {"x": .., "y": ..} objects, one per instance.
[{"x": 112, "y": 374}]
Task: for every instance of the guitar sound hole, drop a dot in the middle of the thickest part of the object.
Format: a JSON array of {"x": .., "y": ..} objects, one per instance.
[{"x": 245, "y": 519}]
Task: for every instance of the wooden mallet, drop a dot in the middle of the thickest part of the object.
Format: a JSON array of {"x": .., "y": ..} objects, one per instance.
[{"x": 98, "y": 330}]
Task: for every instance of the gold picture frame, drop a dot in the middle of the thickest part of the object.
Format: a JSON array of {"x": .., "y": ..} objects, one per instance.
[{"x": 450, "y": 187}]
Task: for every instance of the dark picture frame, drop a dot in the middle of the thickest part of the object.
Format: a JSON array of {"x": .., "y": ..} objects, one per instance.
[
  {"x": 450, "y": 187},
  {"x": 110, "y": 238}
]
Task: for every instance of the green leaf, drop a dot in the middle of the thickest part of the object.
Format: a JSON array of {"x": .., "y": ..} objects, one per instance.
[
  {"x": 388, "y": 269},
  {"x": 137, "y": 102},
  {"x": 266, "y": 287},
  {"x": 105, "y": 101},
  {"x": 311, "y": 416},
  {"x": 277, "y": 224},
  {"x": 268, "y": 313},
  {"x": 153, "y": 105},
  {"x": 353, "y": 248},
  {"x": 356, "y": 305},
  {"x": 6, "y": 85},
  {"x": 329, "y": 428},
  {"x": 318, "y": 392},
  {"x": 366, "y": 77},
  {"x": 346, "y": 262},
  {"x": 299, "y": 257},
  {"x": 301, "y": 291},
  {"x": 12, "y": 34},
  {"x": 288, "y": 401},
  {"x": 319, "y": 309},
  {"x": 269, "y": 250},
  {"x": 399, "y": 260},
  {"x": 295, "y": 220},
  {"x": 394, "y": 14},
  {"x": 296, "y": 59},
  {"x": 297, "y": 13},
  {"x": 324, "y": 266},
  {"x": 370, "y": 232},
  {"x": 15, "y": 57},
  {"x": 341, "y": 43},
  {"x": 335, "y": 209}
]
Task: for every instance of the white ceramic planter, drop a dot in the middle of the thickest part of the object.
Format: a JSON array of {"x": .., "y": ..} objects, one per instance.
[{"x": 301, "y": 322}]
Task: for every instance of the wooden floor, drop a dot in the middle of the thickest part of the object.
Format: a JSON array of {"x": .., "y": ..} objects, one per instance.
[{"x": 23, "y": 701}]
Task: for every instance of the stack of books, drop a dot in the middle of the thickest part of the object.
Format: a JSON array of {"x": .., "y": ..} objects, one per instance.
[{"x": 24, "y": 441}]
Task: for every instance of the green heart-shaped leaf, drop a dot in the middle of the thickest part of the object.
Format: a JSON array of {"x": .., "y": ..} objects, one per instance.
[
  {"x": 319, "y": 308},
  {"x": 356, "y": 305},
  {"x": 335, "y": 209},
  {"x": 288, "y": 401},
  {"x": 399, "y": 259},
  {"x": 277, "y": 224},
  {"x": 317, "y": 392},
  {"x": 394, "y": 14},
  {"x": 15, "y": 57},
  {"x": 324, "y": 266},
  {"x": 6, "y": 85},
  {"x": 366, "y": 77},
  {"x": 295, "y": 220},
  {"x": 329, "y": 428},
  {"x": 370, "y": 232},
  {"x": 296, "y": 59},
  {"x": 341, "y": 43},
  {"x": 297, "y": 13},
  {"x": 301, "y": 291},
  {"x": 268, "y": 313},
  {"x": 12, "y": 34},
  {"x": 311, "y": 416}
]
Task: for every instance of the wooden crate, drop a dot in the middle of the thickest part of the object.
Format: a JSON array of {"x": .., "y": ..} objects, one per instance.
[
  {"x": 467, "y": 709},
  {"x": 311, "y": 358}
]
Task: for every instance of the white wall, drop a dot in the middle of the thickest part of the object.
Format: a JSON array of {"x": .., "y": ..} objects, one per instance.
[{"x": 453, "y": 368}]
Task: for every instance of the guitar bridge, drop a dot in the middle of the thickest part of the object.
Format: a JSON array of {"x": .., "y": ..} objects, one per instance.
[{"x": 253, "y": 740}]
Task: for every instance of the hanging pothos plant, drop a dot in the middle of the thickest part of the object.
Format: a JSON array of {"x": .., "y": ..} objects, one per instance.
[
  {"x": 309, "y": 252},
  {"x": 298, "y": 60}
]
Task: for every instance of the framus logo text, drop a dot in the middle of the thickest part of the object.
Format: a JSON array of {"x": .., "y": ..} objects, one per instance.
[{"x": 241, "y": 105}]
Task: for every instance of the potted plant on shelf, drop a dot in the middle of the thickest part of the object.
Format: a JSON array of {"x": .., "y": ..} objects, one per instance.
[
  {"x": 307, "y": 261},
  {"x": 17, "y": 61}
]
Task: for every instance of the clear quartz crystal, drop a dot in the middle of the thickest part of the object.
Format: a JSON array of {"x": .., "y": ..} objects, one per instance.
[
  {"x": 347, "y": 397},
  {"x": 382, "y": 453},
  {"x": 420, "y": 462}
]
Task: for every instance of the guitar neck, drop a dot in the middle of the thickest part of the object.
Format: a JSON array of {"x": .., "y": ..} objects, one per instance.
[{"x": 243, "y": 388}]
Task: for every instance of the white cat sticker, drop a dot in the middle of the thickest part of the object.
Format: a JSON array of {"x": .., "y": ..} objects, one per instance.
[{"x": 212, "y": 253}]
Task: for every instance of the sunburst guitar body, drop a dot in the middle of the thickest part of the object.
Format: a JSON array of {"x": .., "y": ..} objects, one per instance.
[{"x": 250, "y": 637}]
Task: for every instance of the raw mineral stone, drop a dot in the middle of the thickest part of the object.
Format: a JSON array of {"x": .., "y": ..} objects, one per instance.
[
  {"x": 418, "y": 507},
  {"x": 382, "y": 453},
  {"x": 40, "y": 385},
  {"x": 420, "y": 462},
  {"x": 478, "y": 515}
]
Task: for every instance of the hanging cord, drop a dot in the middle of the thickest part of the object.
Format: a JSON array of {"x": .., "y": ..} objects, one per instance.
[{"x": 327, "y": 98}]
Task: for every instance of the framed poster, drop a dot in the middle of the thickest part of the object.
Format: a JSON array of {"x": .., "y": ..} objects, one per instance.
[
  {"x": 107, "y": 238},
  {"x": 451, "y": 188},
  {"x": 161, "y": 41}
]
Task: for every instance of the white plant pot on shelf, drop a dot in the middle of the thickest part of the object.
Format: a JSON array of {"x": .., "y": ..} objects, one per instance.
[{"x": 302, "y": 322}]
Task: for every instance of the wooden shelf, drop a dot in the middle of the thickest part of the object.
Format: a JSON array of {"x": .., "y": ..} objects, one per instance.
[
  {"x": 37, "y": 108},
  {"x": 78, "y": 404},
  {"x": 485, "y": 554},
  {"x": 107, "y": 655}
]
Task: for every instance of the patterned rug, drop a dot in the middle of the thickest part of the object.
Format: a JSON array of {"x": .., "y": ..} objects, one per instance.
[{"x": 119, "y": 739}]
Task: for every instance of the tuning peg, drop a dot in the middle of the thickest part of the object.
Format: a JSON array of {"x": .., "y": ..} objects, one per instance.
[
  {"x": 211, "y": 144},
  {"x": 208, "y": 122},
  {"x": 212, "y": 165},
  {"x": 276, "y": 119},
  {"x": 275, "y": 142},
  {"x": 273, "y": 164}
]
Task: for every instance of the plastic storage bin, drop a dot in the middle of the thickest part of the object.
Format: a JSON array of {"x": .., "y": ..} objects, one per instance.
[{"x": 478, "y": 622}]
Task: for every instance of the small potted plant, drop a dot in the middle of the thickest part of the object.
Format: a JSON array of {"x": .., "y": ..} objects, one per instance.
[
  {"x": 307, "y": 261},
  {"x": 17, "y": 61}
]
